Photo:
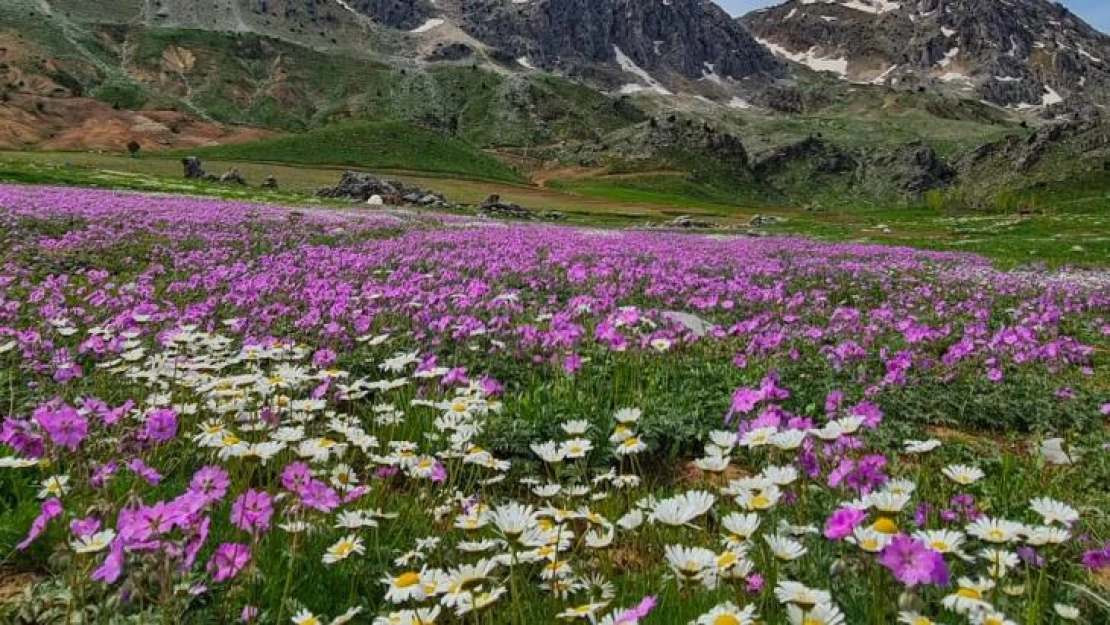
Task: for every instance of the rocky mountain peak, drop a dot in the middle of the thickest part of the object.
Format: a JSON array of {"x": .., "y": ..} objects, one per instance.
[
  {"x": 1018, "y": 53},
  {"x": 650, "y": 43}
]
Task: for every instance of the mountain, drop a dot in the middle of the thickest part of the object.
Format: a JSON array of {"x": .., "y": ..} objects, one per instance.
[
  {"x": 658, "y": 45},
  {"x": 671, "y": 96},
  {"x": 1017, "y": 53},
  {"x": 642, "y": 45}
]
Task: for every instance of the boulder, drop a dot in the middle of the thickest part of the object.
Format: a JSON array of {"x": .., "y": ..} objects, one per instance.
[
  {"x": 695, "y": 324},
  {"x": 193, "y": 168},
  {"x": 233, "y": 177},
  {"x": 492, "y": 206},
  {"x": 375, "y": 200},
  {"x": 361, "y": 187},
  {"x": 271, "y": 183},
  {"x": 760, "y": 221},
  {"x": 686, "y": 221}
]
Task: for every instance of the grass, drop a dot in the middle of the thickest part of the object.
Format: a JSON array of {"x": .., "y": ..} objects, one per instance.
[{"x": 371, "y": 145}]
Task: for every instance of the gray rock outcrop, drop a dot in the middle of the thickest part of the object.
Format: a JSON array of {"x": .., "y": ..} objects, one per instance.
[{"x": 360, "y": 187}]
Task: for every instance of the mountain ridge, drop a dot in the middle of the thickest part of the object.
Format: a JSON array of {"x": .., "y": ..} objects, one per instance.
[{"x": 1016, "y": 53}]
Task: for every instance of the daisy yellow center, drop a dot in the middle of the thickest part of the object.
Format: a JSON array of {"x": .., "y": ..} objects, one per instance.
[
  {"x": 425, "y": 464},
  {"x": 993, "y": 620},
  {"x": 631, "y": 442},
  {"x": 326, "y": 443},
  {"x": 726, "y": 619},
  {"x": 408, "y": 580},
  {"x": 231, "y": 440},
  {"x": 886, "y": 525},
  {"x": 810, "y": 620},
  {"x": 996, "y": 534},
  {"x": 344, "y": 549},
  {"x": 761, "y": 502},
  {"x": 939, "y": 545},
  {"x": 726, "y": 560},
  {"x": 869, "y": 544},
  {"x": 921, "y": 620},
  {"x": 969, "y": 593}
]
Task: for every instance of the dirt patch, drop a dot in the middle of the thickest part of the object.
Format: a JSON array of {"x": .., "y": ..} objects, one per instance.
[
  {"x": 12, "y": 584},
  {"x": 79, "y": 124},
  {"x": 690, "y": 475},
  {"x": 1101, "y": 579}
]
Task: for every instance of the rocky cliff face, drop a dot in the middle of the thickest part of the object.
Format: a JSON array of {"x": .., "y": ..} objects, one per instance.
[
  {"x": 641, "y": 44},
  {"x": 1018, "y": 53},
  {"x": 637, "y": 45}
]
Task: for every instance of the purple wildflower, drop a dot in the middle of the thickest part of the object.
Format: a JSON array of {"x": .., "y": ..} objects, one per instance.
[{"x": 913, "y": 563}]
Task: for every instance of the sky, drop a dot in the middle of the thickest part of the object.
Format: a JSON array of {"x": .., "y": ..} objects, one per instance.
[{"x": 1095, "y": 12}]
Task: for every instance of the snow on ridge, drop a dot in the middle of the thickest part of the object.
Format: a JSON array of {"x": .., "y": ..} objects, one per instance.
[
  {"x": 1050, "y": 97},
  {"x": 344, "y": 4},
  {"x": 876, "y": 7},
  {"x": 809, "y": 58},
  {"x": 1090, "y": 56},
  {"x": 428, "y": 25},
  {"x": 738, "y": 103},
  {"x": 629, "y": 66}
]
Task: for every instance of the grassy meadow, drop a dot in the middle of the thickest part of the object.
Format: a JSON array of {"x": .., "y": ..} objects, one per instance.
[{"x": 221, "y": 410}]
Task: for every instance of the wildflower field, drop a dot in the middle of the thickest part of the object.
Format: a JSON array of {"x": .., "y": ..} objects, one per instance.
[{"x": 219, "y": 412}]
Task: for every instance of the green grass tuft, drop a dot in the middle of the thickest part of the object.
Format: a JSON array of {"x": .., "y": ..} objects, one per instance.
[{"x": 372, "y": 145}]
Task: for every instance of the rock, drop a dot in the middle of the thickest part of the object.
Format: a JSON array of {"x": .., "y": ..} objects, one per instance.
[
  {"x": 271, "y": 183},
  {"x": 760, "y": 221},
  {"x": 695, "y": 324},
  {"x": 451, "y": 52},
  {"x": 1052, "y": 450},
  {"x": 686, "y": 221},
  {"x": 552, "y": 216},
  {"x": 233, "y": 176},
  {"x": 375, "y": 200},
  {"x": 428, "y": 199},
  {"x": 492, "y": 206},
  {"x": 193, "y": 168},
  {"x": 361, "y": 187}
]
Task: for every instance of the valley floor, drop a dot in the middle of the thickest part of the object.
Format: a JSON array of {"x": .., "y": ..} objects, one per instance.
[{"x": 1073, "y": 231}]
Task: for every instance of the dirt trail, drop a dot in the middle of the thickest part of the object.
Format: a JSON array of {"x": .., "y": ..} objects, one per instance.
[{"x": 541, "y": 178}]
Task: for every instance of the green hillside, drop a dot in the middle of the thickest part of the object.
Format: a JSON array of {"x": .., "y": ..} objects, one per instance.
[{"x": 375, "y": 146}]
